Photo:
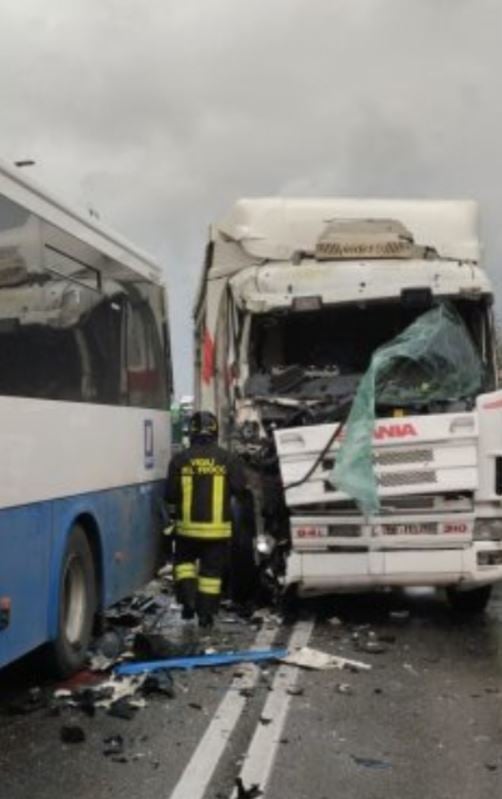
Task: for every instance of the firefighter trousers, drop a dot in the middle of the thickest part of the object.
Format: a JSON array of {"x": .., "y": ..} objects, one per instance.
[{"x": 199, "y": 566}]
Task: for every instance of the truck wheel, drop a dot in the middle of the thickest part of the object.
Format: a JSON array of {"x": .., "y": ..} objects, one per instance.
[
  {"x": 473, "y": 601},
  {"x": 77, "y": 606}
]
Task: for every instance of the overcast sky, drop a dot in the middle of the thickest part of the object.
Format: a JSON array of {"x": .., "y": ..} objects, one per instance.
[{"x": 160, "y": 113}]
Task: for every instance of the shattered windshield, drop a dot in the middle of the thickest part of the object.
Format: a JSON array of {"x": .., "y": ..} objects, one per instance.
[{"x": 320, "y": 356}]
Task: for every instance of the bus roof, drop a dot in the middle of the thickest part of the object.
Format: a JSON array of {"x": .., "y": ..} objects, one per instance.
[{"x": 38, "y": 201}]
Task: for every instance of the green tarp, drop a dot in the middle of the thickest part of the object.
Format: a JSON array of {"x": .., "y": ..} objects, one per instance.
[{"x": 432, "y": 361}]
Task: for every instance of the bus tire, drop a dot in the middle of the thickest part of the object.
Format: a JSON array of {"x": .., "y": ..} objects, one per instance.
[
  {"x": 469, "y": 602},
  {"x": 77, "y": 606}
]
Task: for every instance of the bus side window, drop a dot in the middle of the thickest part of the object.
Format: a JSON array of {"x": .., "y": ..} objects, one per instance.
[
  {"x": 102, "y": 335},
  {"x": 144, "y": 370}
]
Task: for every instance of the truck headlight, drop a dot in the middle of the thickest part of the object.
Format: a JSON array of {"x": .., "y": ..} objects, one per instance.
[
  {"x": 264, "y": 544},
  {"x": 488, "y": 530}
]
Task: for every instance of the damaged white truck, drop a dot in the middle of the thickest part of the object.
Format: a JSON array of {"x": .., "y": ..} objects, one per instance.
[{"x": 348, "y": 349}]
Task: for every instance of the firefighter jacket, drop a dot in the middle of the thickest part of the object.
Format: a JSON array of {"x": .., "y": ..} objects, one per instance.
[{"x": 200, "y": 482}]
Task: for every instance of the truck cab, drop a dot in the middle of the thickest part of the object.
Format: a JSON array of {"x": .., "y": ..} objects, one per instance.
[{"x": 296, "y": 298}]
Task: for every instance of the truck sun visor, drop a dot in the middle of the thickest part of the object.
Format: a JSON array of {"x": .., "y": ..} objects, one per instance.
[{"x": 432, "y": 360}]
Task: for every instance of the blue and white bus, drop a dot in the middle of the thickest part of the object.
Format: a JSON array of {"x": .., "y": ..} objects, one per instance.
[{"x": 85, "y": 387}]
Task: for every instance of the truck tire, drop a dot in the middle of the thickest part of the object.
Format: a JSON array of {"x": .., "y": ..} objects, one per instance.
[
  {"x": 77, "y": 606},
  {"x": 469, "y": 602}
]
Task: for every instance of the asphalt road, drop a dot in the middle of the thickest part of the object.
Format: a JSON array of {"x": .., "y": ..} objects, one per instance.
[{"x": 425, "y": 722}]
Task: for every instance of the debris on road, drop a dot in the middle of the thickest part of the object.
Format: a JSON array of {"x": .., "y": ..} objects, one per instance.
[
  {"x": 72, "y": 734},
  {"x": 247, "y": 793},
  {"x": 32, "y": 700},
  {"x": 122, "y": 709},
  {"x": 101, "y": 663},
  {"x": 308, "y": 658},
  {"x": 114, "y": 689},
  {"x": 372, "y": 647},
  {"x": 155, "y": 646},
  {"x": 113, "y": 745},
  {"x": 160, "y": 682},
  {"x": 385, "y": 638},
  {"x": 109, "y": 646},
  {"x": 370, "y": 762},
  {"x": 399, "y": 615}
]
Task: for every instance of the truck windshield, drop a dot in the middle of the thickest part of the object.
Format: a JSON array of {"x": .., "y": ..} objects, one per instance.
[{"x": 307, "y": 354}]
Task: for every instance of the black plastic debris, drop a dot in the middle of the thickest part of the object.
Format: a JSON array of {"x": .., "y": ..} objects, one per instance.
[
  {"x": 370, "y": 762},
  {"x": 159, "y": 682},
  {"x": 30, "y": 702},
  {"x": 122, "y": 709},
  {"x": 113, "y": 745},
  {"x": 295, "y": 691},
  {"x": 247, "y": 793},
  {"x": 491, "y": 766},
  {"x": 265, "y": 721},
  {"x": 387, "y": 638},
  {"x": 195, "y": 706},
  {"x": 71, "y": 734},
  {"x": 124, "y": 618},
  {"x": 110, "y": 645},
  {"x": 86, "y": 701},
  {"x": 154, "y": 646}
]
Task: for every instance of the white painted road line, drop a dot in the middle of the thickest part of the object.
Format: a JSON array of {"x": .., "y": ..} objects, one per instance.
[
  {"x": 261, "y": 754},
  {"x": 202, "y": 765}
]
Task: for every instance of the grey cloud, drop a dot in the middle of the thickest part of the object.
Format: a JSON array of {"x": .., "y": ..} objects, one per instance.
[{"x": 160, "y": 114}]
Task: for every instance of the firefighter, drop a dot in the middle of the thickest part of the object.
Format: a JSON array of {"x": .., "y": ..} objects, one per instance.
[{"x": 200, "y": 483}]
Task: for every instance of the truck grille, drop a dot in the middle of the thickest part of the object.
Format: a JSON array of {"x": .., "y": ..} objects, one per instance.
[
  {"x": 396, "y": 479},
  {"x": 395, "y": 457}
]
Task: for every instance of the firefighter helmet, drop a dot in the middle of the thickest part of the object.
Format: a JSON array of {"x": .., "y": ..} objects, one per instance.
[{"x": 203, "y": 424}]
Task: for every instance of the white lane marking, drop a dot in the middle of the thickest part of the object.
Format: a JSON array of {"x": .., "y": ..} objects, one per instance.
[
  {"x": 262, "y": 750},
  {"x": 202, "y": 765}
]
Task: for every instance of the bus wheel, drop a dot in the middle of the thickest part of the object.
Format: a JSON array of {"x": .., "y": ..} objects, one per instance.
[
  {"x": 77, "y": 606},
  {"x": 473, "y": 601}
]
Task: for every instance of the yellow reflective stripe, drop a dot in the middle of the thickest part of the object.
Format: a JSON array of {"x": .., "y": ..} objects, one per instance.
[
  {"x": 204, "y": 531},
  {"x": 218, "y": 484},
  {"x": 187, "y": 490},
  {"x": 210, "y": 585},
  {"x": 185, "y": 571},
  {"x": 209, "y": 526}
]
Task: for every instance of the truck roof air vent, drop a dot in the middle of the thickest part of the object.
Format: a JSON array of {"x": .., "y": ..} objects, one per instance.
[{"x": 349, "y": 239}]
